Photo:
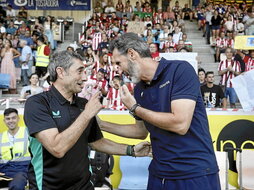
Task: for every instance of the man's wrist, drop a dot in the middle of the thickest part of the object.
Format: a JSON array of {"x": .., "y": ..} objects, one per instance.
[
  {"x": 130, "y": 150},
  {"x": 132, "y": 111}
]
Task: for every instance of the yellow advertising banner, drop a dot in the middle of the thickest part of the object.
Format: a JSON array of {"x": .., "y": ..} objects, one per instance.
[
  {"x": 228, "y": 129},
  {"x": 244, "y": 42}
]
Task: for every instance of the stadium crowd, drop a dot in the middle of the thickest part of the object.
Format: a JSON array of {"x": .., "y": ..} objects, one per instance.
[{"x": 30, "y": 42}]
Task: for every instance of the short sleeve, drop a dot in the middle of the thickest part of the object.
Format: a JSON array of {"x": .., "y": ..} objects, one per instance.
[
  {"x": 186, "y": 84},
  {"x": 95, "y": 132},
  {"x": 23, "y": 91},
  {"x": 221, "y": 93},
  {"x": 37, "y": 115}
]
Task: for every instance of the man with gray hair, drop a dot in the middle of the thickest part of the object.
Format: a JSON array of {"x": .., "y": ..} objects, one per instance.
[
  {"x": 26, "y": 60},
  {"x": 61, "y": 126},
  {"x": 167, "y": 102}
]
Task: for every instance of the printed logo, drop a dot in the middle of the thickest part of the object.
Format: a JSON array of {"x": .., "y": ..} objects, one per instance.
[
  {"x": 56, "y": 114},
  {"x": 165, "y": 84}
]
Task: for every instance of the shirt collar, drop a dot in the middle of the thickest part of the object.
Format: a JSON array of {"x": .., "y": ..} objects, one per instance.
[
  {"x": 159, "y": 69},
  {"x": 60, "y": 97}
]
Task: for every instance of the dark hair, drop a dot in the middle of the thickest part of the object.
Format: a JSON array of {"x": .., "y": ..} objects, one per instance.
[
  {"x": 62, "y": 59},
  {"x": 41, "y": 38},
  {"x": 9, "y": 42},
  {"x": 117, "y": 77},
  {"x": 33, "y": 75},
  {"x": 8, "y": 111},
  {"x": 201, "y": 70},
  {"x": 209, "y": 73},
  {"x": 130, "y": 41}
]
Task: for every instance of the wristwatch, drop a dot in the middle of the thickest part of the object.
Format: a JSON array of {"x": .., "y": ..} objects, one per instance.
[{"x": 132, "y": 111}]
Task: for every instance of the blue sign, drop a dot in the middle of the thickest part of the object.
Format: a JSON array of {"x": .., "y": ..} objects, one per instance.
[
  {"x": 250, "y": 42},
  {"x": 74, "y": 5}
]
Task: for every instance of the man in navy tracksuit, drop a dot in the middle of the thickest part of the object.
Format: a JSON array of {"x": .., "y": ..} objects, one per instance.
[{"x": 167, "y": 104}]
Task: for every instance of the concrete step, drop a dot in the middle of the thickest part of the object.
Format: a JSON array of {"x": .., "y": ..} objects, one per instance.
[
  {"x": 206, "y": 57},
  {"x": 198, "y": 41},
  {"x": 200, "y": 49},
  {"x": 195, "y": 35}
]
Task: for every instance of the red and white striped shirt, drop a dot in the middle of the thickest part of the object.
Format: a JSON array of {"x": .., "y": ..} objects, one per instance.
[
  {"x": 226, "y": 77},
  {"x": 222, "y": 43},
  {"x": 96, "y": 40},
  {"x": 230, "y": 43},
  {"x": 157, "y": 17},
  {"x": 114, "y": 100},
  {"x": 249, "y": 63}
]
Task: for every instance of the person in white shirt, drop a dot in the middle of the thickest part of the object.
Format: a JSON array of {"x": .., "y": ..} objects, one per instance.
[
  {"x": 32, "y": 89},
  {"x": 10, "y": 12},
  {"x": 26, "y": 60},
  {"x": 2, "y": 28}
]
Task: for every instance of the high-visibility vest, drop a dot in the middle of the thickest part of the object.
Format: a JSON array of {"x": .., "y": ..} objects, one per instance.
[
  {"x": 239, "y": 1},
  {"x": 41, "y": 59},
  {"x": 16, "y": 152}
]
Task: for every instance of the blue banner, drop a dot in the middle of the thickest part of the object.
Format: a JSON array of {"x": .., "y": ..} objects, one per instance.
[{"x": 74, "y": 5}]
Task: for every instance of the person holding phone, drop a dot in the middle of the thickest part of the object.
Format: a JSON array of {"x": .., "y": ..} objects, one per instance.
[{"x": 32, "y": 89}]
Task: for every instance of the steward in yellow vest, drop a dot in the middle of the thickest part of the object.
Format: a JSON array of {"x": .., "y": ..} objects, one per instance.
[
  {"x": 42, "y": 58},
  {"x": 14, "y": 155}
]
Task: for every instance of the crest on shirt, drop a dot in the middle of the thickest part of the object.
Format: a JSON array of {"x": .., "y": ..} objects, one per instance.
[{"x": 56, "y": 114}]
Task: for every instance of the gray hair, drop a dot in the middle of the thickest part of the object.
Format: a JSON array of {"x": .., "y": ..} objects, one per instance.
[
  {"x": 62, "y": 59},
  {"x": 130, "y": 41}
]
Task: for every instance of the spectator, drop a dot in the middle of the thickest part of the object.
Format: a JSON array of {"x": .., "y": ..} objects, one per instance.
[
  {"x": 26, "y": 60},
  {"x": 70, "y": 49},
  {"x": 177, "y": 9},
  {"x": 10, "y": 11},
  {"x": 216, "y": 22},
  {"x": 187, "y": 13},
  {"x": 11, "y": 29},
  {"x": 201, "y": 20},
  {"x": 201, "y": 76},
  {"x": 103, "y": 63},
  {"x": 42, "y": 59},
  {"x": 187, "y": 43},
  {"x": 169, "y": 15},
  {"x": 228, "y": 69},
  {"x": 158, "y": 16},
  {"x": 23, "y": 12},
  {"x": 2, "y": 28},
  {"x": 18, "y": 22},
  {"x": 164, "y": 35},
  {"x": 32, "y": 89},
  {"x": 208, "y": 18},
  {"x": 119, "y": 8},
  {"x": 213, "y": 95},
  {"x": 177, "y": 35},
  {"x": 94, "y": 84},
  {"x": 7, "y": 65},
  {"x": 110, "y": 7},
  {"x": 15, "y": 156},
  {"x": 169, "y": 44},
  {"x": 229, "y": 24},
  {"x": 180, "y": 45},
  {"x": 137, "y": 7},
  {"x": 149, "y": 38},
  {"x": 249, "y": 25},
  {"x": 248, "y": 60},
  {"x": 48, "y": 31},
  {"x": 113, "y": 96},
  {"x": 154, "y": 51},
  {"x": 27, "y": 37},
  {"x": 221, "y": 45}
]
